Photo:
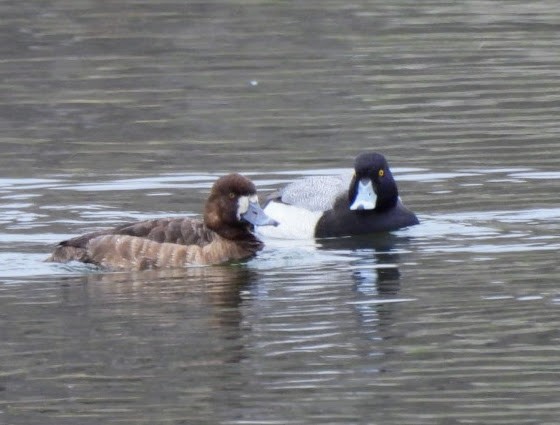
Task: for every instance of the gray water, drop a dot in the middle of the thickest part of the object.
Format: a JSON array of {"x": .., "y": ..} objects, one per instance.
[{"x": 129, "y": 109}]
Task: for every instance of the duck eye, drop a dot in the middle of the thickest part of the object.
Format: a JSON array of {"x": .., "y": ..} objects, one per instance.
[
  {"x": 231, "y": 195},
  {"x": 381, "y": 173}
]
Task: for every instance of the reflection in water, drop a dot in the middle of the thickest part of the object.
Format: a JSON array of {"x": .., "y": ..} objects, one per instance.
[
  {"x": 217, "y": 285},
  {"x": 376, "y": 278},
  {"x": 216, "y": 290},
  {"x": 376, "y": 268},
  {"x": 120, "y": 338},
  {"x": 325, "y": 318},
  {"x": 321, "y": 331}
]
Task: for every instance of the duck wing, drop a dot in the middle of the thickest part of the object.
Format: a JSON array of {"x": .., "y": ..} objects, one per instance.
[
  {"x": 179, "y": 230},
  {"x": 314, "y": 193}
]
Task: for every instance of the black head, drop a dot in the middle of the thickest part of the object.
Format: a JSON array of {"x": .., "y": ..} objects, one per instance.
[
  {"x": 372, "y": 186},
  {"x": 233, "y": 207}
]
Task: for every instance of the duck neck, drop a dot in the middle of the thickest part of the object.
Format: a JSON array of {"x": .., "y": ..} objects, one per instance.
[
  {"x": 241, "y": 236},
  {"x": 233, "y": 233}
]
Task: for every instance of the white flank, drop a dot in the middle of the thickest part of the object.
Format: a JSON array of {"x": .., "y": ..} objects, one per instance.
[{"x": 294, "y": 222}]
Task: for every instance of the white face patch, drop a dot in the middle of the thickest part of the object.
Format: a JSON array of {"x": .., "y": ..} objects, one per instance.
[{"x": 242, "y": 206}]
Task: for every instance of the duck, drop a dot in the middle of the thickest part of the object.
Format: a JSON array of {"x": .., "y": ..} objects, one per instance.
[
  {"x": 225, "y": 233},
  {"x": 341, "y": 205}
]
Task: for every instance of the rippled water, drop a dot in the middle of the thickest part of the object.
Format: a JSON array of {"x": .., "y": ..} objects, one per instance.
[{"x": 116, "y": 111}]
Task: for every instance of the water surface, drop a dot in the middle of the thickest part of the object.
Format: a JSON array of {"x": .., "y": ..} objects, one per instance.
[{"x": 119, "y": 111}]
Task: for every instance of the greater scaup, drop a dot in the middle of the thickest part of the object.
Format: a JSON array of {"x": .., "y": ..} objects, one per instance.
[
  {"x": 224, "y": 234},
  {"x": 332, "y": 206}
]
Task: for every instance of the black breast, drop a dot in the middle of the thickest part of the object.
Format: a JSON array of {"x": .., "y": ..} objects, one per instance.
[{"x": 341, "y": 221}]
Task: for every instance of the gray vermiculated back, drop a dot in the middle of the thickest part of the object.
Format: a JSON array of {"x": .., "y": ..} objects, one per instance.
[{"x": 316, "y": 193}]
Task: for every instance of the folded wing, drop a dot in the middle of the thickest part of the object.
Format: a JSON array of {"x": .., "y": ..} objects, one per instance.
[{"x": 314, "y": 193}]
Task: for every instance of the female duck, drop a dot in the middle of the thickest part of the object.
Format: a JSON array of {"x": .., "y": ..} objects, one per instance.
[
  {"x": 225, "y": 234},
  {"x": 332, "y": 206}
]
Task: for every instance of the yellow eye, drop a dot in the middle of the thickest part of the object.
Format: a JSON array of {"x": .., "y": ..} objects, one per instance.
[
  {"x": 231, "y": 195},
  {"x": 381, "y": 173}
]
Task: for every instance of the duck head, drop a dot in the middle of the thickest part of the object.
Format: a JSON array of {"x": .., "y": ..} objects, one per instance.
[
  {"x": 372, "y": 186},
  {"x": 232, "y": 208}
]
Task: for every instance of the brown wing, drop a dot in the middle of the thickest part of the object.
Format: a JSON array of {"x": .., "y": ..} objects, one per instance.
[{"x": 182, "y": 231}]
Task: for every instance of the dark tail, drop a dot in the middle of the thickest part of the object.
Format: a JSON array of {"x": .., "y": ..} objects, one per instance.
[
  {"x": 73, "y": 249},
  {"x": 64, "y": 253}
]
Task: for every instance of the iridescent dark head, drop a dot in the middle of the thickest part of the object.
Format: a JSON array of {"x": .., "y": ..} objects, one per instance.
[{"x": 373, "y": 186}]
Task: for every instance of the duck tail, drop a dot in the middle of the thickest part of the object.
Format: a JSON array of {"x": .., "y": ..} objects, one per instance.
[
  {"x": 74, "y": 249},
  {"x": 65, "y": 253}
]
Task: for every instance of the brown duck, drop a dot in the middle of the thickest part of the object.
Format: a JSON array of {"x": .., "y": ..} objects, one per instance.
[{"x": 225, "y": 233}]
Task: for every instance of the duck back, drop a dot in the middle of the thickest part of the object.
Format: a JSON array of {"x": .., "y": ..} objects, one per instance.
[{"x": 180, "y": 230}]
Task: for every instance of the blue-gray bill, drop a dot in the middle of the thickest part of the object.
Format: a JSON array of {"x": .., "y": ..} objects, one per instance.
[
  {"x": 257, "y": 217},
  {"x": 366, "y": 197}
]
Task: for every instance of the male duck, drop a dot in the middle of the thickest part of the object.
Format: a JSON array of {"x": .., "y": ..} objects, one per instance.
[
  {"x": 225, "y": 234},
  {"x": 331, "y": 206}
]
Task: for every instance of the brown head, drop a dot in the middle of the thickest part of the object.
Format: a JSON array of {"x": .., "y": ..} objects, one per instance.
[{"x": 232, "y": 209}]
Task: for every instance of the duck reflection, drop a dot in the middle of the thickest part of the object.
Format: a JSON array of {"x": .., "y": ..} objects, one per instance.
[
  {"x": 376, "y": 278},
  {"x": 169, "y": 330},
  {"x": 216, "y": 285},
  {"x": 192, "y": 301},
  {"x": 378, "y": 253}
]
